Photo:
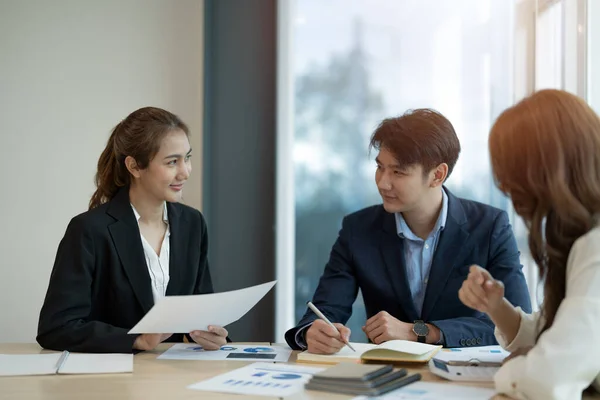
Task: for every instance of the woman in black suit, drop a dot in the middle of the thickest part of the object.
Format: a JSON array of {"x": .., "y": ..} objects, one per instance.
[{"x": 134, "y": 245}]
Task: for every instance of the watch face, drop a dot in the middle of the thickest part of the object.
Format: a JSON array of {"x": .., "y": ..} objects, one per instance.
[{"x": 420, "y": 329}]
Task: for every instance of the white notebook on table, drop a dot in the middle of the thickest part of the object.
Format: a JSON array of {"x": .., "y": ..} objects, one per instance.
[{"x": 64, "y": 363}]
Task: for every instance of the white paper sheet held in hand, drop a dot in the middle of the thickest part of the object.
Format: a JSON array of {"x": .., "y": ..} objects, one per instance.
[{"x": 182, "y": 314}]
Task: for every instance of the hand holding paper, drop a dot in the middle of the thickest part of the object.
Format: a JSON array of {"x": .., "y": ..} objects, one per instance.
[
  {"x": 182, "y": 314},
  {"x": 212, "y": 339}
]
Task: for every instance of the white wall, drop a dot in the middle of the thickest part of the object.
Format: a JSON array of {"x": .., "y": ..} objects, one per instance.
[{"x": 70, "y": 70}]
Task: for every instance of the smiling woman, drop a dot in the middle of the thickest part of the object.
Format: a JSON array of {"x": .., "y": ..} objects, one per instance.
[{"x": 135, "y": 244}]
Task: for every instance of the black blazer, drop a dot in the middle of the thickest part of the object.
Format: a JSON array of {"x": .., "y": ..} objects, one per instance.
[{"x": 100, "y": 286}]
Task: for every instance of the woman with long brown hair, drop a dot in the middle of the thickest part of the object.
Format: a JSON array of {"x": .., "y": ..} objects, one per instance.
[
  {"x": 136, "y": 244},
  {"x": 545, "y": 154}
]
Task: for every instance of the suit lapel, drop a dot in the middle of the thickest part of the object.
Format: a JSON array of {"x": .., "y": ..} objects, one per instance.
[
  {"x": 449, "y": 249},
  {"x": 126, "y": 238},
  {"x": 392, "y": 251},
  {"x": 177, "y": 244}
]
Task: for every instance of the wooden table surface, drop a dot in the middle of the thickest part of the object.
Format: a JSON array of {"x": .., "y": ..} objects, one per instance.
[{"x": 151, "y": 379}]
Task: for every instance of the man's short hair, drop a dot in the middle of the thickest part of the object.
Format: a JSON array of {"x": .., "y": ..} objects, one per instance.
[{"x": 418, "y": 137}]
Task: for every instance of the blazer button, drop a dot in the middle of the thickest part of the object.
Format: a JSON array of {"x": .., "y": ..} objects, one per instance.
[
  {"x": 479, "y": 341},
  {"x": 462, "y": 342},
  {"x": 469, "y": 342}
]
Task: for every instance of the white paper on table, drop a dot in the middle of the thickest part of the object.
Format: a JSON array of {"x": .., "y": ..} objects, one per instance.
[
  {"x": 435, "y": 391},
  {"x": 88, "y": 363},
  {"x": 228, "y": 352},
  {"x": 28, "y": 364},
  {"x": 260, "y": 379},
  {"x": 182, "y": 314}
]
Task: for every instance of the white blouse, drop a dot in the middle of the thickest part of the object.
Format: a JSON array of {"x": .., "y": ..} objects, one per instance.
[
  {"x": 566, "y": 358},
  {"x": 158, "y": 266}
]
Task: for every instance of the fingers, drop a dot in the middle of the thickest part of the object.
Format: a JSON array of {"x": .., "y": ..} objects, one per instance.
[
  {"x": 322, "y": 344},
  {"x": 218, "y": 330},
  {"x": 208, "y": 340},
  {"x": 494, "y": 287},
  {"x": 376, "y": 333},
  {"x": 478, "y": 274},
  {"x": 344, "y": 331},
  {"x": 375, "y": 321},
  {"x": 323, "y": 339},
  {"x": 324, "y": 327}
]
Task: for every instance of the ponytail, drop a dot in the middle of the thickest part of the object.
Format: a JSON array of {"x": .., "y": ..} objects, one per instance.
[{"x": 109, "y": 177}]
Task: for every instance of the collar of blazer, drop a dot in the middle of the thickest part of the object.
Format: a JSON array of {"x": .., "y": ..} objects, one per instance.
[
  {"x": 447, "y": 256},
  {"x": 125, "y": 233}
]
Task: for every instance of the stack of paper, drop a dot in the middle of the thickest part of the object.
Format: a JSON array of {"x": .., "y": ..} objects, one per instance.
[{"x": 64, "y": 363}]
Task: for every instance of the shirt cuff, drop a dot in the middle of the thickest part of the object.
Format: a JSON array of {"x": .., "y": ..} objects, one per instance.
[
  {"x": 525, "y": 335},
  {"x": 442, "y": 340},
  {"x": 300, "y": 338}
]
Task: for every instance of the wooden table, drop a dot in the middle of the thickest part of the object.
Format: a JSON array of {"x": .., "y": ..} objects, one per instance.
[{"x": 152, "y": 379}]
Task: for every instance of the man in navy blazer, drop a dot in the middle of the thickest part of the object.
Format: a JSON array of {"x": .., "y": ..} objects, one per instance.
[{"x": 411, "y": 255}]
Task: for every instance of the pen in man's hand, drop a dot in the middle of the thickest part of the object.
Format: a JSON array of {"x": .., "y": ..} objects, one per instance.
[{"x": 324, "y": 318}]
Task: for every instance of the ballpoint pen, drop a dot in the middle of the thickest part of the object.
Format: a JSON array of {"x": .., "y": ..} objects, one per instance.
[{"x": 324, "y": 318}]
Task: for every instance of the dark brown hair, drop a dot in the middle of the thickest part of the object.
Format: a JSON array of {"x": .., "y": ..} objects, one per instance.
[
  {"x": 419, "y": 137},
  {"x": 545, "y": 154},
  {"x": 139, "y": 136}
]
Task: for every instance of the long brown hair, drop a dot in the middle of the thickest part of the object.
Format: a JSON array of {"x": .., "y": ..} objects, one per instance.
[
  {"x": 139, "y": 136},
  {"x": 545, "y": 154}
]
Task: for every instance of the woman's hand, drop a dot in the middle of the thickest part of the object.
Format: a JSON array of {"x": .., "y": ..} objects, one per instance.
[
  {"x": 149, "y": 341},
  {"x": 480, "y": 291},
  {"x": 213, "y": 339}
]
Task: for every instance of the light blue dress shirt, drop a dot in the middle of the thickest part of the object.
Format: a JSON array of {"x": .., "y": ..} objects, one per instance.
[{"x": 418, "y": 253}]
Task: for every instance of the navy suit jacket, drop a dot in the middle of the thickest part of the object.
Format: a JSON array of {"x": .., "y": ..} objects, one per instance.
[{"x": 368, "y": 254}]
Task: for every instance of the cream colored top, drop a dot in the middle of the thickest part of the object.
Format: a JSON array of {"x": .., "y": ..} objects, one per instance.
[{"x": 566, "y": 358}]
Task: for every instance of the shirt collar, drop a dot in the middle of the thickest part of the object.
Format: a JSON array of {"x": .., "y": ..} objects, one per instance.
[
  {"x": 165, "y": 213},
  {"x": 404, "y": 231}
]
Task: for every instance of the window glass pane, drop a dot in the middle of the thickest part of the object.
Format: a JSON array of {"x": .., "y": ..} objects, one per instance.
[{"x": 357, "y": 62}]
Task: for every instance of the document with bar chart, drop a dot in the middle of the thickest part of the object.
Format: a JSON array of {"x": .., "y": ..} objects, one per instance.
[{"x": 261, "y": 379}]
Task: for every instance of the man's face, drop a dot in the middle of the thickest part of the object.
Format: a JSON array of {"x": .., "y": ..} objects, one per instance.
[{"x": 402, "y": 188}]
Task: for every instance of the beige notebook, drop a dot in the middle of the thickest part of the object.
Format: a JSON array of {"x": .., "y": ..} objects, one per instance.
[
  {"x": 400, "y": 351},
  {"x": 64, "y": 363}
]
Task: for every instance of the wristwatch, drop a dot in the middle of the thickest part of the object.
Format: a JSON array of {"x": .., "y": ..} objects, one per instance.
[{"x": 421, "y": 330}]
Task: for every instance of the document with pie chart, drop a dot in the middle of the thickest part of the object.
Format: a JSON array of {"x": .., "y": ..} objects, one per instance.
[
  {"x": 183, "y": 314},
  {"x": 229, "y": 352},
  {"x": 260, "y": 379}
]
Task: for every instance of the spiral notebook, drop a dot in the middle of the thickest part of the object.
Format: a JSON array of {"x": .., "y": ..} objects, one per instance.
[{"x": 64, "y": 363}]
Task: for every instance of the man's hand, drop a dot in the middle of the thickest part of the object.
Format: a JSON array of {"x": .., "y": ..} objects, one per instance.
[
  {"x": 480, "y": 291},
  {"x": 149, "y": 341},
  {"x": 383, "y": 327},
  {"x": 521, "y": 351},
  {"x": 323, "y": 339},
  {"x": 213, "y": 339}
]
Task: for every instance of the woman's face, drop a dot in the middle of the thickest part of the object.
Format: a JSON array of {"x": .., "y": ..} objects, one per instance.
[{"x": 168, "y": 171}]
